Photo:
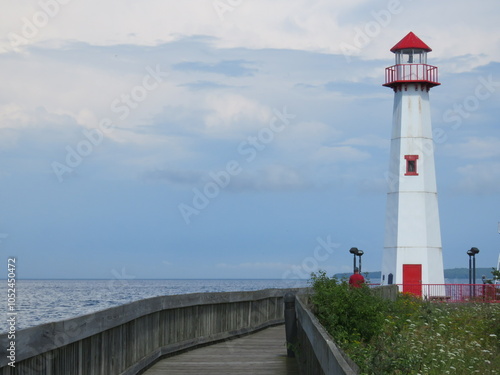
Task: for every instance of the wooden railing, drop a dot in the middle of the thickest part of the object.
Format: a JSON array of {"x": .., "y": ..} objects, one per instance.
[{"x": 127, "y": 339}]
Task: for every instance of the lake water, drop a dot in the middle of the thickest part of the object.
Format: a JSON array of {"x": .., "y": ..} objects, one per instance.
[{"x": 44, "y": 301}]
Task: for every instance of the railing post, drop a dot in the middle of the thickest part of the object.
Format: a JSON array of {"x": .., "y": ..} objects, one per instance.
[{"x": 290, "y": 324}]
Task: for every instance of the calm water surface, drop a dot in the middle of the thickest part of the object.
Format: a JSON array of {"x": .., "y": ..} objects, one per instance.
[{"x": 44, "y": 301}]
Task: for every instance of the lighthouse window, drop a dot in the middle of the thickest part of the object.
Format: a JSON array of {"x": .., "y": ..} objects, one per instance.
[
  {"x": 411, "y": 56},
  {"x": 411, "y": 165}
]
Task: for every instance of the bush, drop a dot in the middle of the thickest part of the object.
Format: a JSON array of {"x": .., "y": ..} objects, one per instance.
[
  {"x": 408, "y": 336},
  {"x": 349, "y": 314}
]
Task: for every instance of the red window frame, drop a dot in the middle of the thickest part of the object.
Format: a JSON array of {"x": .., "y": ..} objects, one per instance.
[{"x": 411, "y": 165}]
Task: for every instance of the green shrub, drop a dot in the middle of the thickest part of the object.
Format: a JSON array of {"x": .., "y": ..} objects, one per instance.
[
  {"x": 408, "y": 336},
  {"x": 349, "y": 314}
]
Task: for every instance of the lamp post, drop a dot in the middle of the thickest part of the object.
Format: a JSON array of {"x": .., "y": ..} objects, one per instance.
[
  {"x": 360, "y": 252},
  {"x": 354, "y": 252},
  {"x": 474, "y": 251},
  {"x": 472, "y": 266},
  {"x": 470, "y": 254}
]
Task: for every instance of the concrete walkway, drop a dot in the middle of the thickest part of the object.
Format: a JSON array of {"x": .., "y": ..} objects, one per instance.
[{"x": 262, "y": 353}]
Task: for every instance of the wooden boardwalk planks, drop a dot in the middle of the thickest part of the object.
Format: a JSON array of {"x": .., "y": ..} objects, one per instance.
[{"x": 262, "y": 353}]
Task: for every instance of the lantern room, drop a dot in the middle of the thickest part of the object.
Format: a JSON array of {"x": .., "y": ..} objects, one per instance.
[
  {"x": 411, "y": 64},
  {"x": 411, "y": 56}
]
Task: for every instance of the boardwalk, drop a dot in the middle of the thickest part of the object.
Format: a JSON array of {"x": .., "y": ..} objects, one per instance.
[{"x": 262, "y": 353}]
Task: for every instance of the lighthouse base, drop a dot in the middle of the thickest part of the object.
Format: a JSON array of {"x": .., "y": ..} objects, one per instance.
[{"x": 410, "y": 267}]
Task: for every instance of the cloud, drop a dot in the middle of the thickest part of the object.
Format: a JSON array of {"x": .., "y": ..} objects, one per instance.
[
  {"x": 205, "y": 85},
  {"x": 356, "y": 89},
  {"x": 335, "y": 154},
  {"x": 271, "y": 177},
  {"x": 480, "y": 178},
  {"x": 475, "y": 148},
  {"x": 368, "y": 140},
  {"x": 231, "y": 68},
  {"x": 312, "y": 132},
  {"x": 176, "y": 176},
  {"x": 33, "y": 127},
  {"x": 231, "y": 115},
  {"x": 302, "y": 139},
  {"x": 370, "y": 27},
  {"x": 255, "y": 266}
]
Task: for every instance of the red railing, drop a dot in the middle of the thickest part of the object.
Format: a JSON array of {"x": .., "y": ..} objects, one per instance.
[
  {"x": 411, "y": 73},
  {"x": 454, "y": 292}
]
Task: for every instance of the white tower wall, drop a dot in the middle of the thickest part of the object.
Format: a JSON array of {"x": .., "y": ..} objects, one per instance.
[{"x": 412, "y": 234}]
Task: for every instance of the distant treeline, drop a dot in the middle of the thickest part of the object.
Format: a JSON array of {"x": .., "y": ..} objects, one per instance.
[
  {"x": 453, "y": 273},
  {"x": 463, "y": 273}
]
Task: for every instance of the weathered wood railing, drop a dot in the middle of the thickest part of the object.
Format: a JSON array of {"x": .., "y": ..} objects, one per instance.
[{"x": 127, "y": 339}]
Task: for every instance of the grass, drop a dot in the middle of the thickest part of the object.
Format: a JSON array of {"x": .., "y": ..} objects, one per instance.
[{"x": 408, "y": 336}]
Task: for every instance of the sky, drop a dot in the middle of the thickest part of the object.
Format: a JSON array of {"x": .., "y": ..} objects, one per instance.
[{"x": 232, "y": 138}]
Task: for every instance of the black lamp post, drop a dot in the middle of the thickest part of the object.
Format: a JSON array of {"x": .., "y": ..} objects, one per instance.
[
  {"x": 474, "y": 251},
  {"x": 360, "y": 252},
  {"x": 354, "y": 252},
  {"x": 470, "y": 254},
  {"x": 472, "y": 266}
]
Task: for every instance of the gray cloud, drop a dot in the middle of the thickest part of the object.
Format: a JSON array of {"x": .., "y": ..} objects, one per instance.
[
  {"x": 175, "y": 176},
  {"x": 230, "y": 68},
  {"x": 205, "y": 85}
]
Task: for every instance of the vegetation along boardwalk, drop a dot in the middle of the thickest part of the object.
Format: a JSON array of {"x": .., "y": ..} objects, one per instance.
[{"x": 262, "y": 353}]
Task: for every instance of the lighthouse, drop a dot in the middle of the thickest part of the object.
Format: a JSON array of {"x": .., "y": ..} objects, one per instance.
[{"x": 412, "y": 246}]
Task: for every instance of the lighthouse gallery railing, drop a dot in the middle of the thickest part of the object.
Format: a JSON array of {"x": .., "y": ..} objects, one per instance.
[{"x": 411, "y": 73}]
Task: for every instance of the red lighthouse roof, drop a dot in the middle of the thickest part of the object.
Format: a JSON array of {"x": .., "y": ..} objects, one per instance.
[{"x": 410, "y": 41}]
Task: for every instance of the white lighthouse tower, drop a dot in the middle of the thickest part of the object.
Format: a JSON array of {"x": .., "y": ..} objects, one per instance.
[{"x": 412, "y": 247}]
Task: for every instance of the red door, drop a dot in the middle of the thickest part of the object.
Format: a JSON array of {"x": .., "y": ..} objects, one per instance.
[{"x": 412, "y": 279}]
